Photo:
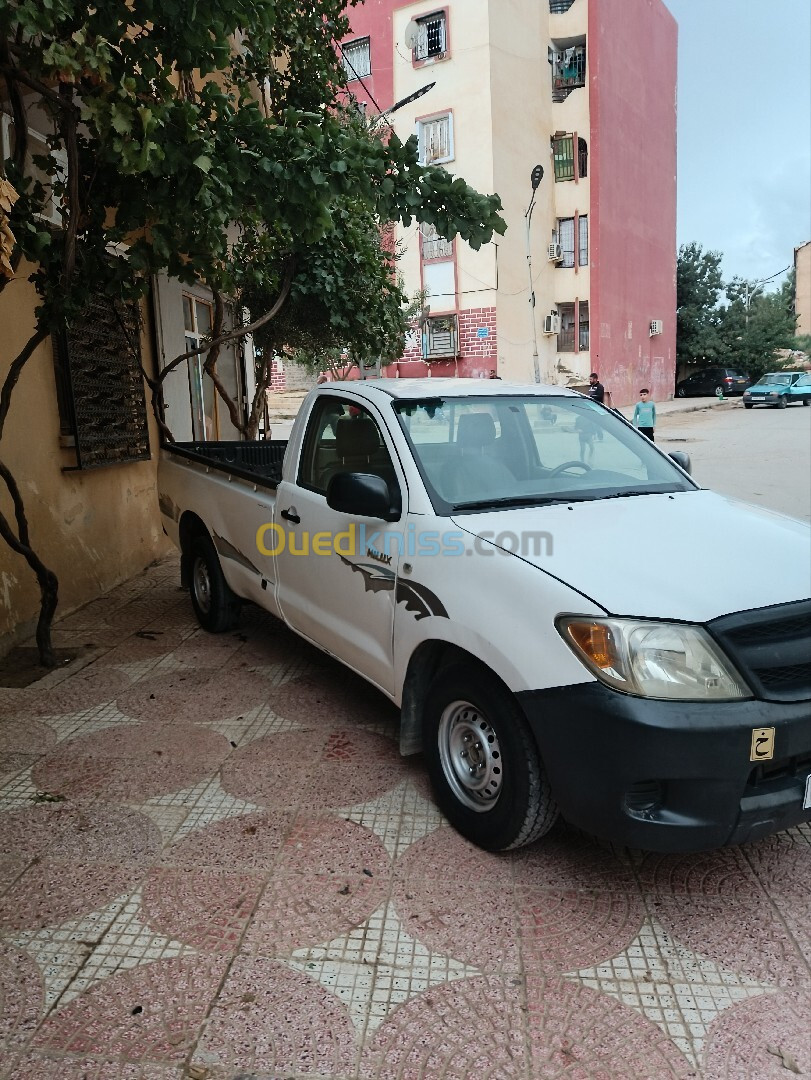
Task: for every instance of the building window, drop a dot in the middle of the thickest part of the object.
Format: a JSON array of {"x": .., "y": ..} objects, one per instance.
[
  {"x": 431, "y": 36},
  {"x": 357, "y": 58},
  {"x": 583, "y": 325},
  {"x": 440, "y": 337},
  {"x": 567, "y": 329},
  {"x": 563, "y": 157},
  {"x": 433, "y": 245},
  {"x": 436, "y": 139},
  {"x": 100, "y": 387},
  {"x": 198, "y": 319},
  {"x": 558, "y": 7},
  {"x": 582, "y": 159},
  {"x": 583, "y": 240},
  {"x": 566, "y": 241}
]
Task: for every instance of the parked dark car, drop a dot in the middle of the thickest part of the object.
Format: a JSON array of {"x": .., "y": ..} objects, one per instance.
[{"x": 708, "y": 381}]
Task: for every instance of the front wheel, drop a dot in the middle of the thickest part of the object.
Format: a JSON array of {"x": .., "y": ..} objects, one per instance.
[
  {"x": 681, "y": 393},
  {"x": 483, "y": 761},
  {"x": 748, "y": 405},
  {"x": 215, "y": 605},
  {"x": 783, "y": 402}
]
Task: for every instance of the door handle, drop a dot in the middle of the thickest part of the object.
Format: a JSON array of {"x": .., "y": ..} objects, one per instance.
[{"x": 291, "y": 516}]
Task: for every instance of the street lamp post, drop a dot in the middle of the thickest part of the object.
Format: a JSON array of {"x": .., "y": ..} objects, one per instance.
[
  {"x": 407, "y": 100},
  {"x": 535, "y": 179},
  {"x": 750, "y": 293}
]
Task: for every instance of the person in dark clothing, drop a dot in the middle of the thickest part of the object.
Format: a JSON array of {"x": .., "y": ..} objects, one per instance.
[{"x": 596, "y": 388}]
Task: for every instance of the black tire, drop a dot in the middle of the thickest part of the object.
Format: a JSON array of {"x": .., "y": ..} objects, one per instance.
[
  {"x": 748, "y": 405},
  {"x": 806, "y": 401},
  {"x": 215, "y": 605},
  {"x": 468, "y": 716},
  {"x": 681, "y": 392},
  {"x": 783, "y": 402}
]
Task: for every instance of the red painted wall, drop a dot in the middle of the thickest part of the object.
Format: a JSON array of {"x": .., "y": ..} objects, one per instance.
[
  {"x": 373, "y": 20},
  {"x": 632, "y": 52}
]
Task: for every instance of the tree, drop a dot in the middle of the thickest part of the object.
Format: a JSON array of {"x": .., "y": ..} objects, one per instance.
[
  {"x": 755, "y": 325},
  {"x": 212, "y": 142},
  {"x": 698, "y": 290}
]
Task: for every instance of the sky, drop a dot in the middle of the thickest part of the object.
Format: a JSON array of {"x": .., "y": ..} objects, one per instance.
[{"x": 744, "y": 131}]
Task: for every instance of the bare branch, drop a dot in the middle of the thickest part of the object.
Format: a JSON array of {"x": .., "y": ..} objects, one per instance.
[
  {"x": 241, "y": 331},
  {"x": 39, "y": 87},
  {"x": 17, "y": 365}
]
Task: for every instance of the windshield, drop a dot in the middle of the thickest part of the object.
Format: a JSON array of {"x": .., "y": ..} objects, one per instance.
[
  {"x": 771, "y": 380},
  {"x": 484, "y": 452}
]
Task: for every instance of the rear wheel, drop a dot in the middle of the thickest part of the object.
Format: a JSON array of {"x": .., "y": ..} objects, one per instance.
[
  {"x": 483, "y": 761},
  {"x": 806, "y": 401},
  {"x": 215, "y": 605},
  {"x": 681, "y": 392}
]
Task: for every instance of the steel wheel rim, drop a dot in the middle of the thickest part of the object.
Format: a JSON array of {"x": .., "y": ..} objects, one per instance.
[
  {"x": 470, "y": 755},
  {"x": 202, "y": 585}
]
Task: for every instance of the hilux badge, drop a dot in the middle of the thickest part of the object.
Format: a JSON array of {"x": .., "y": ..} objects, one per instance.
[{"x": 762, "y": 744}]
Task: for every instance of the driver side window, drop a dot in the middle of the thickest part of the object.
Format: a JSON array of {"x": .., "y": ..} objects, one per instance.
[{"x": 342, "y": 437}]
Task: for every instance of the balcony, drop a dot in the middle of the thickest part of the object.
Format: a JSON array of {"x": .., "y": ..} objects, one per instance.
[
  {"x": 568, "y": 71},
  {"x": 558, "y": 7}
]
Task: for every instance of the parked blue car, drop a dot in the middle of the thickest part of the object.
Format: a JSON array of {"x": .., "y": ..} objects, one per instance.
[{"x": 779, "y": 389}]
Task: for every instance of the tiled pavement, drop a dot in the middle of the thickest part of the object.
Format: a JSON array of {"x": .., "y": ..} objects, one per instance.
[{"x": 214, "y": 864}]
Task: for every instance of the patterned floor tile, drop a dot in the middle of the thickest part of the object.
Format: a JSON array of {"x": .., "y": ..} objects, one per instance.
[
  {"x": 132, "y": 764},
  {"x": 254, "y": 724},
  {"x": 322, "y": 767},
  {"x": 86, "y": 721},
  {"x": 675, "y": 988},
  {"x": 153, "y": 1013},
  {"x": 272, "y": 1021},
  {"x": 399, "y": 817},
  {"x": 207, "y": 909},
  {"x": 39, "y": 1066},
  {"x": 78, "y": 860},
  {"x": 377, "y": 966},
  {"x": 22, "y": 999},
  {"x": 182, "y": 812},
  {"x": 330, "y": 875},
  {"x": 765, "y": 1039}
]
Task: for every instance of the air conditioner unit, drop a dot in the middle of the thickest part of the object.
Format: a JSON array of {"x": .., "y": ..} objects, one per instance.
[
  {"x": 555, "y": 253},
  {"x": 551, "y": 324},
  {"x": 656, "y": 327}
]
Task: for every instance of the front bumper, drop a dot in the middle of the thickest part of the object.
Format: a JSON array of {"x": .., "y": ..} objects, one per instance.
[{"x": 670, "y": 775}]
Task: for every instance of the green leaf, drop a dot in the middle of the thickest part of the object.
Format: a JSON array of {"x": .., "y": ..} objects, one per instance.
[{"x": 203, "y": 163}]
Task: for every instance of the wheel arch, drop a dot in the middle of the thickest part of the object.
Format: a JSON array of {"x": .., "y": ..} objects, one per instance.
[
  {"x": 189, "y": 526},
  {"x": 427, "y": 660}
]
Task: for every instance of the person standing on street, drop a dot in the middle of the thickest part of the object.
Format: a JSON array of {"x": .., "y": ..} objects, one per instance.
[
  {"x": 596, "y": 388},
  {"x": 645, "y": 414}
]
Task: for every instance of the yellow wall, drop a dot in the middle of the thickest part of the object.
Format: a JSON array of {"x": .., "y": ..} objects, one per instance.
[{"x": 94, "y": 528}]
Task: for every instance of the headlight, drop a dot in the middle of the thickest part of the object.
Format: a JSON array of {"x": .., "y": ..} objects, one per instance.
[
  {"x": 653, "y": 659},
  {"x": 772, "y": 393}
]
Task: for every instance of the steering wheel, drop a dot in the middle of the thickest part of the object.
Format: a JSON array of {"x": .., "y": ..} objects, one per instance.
[{"x": 570, "y": 465}]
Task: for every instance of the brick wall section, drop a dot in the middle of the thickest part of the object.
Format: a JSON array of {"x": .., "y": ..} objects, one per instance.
[
  {"x": 277, "y": 376},
  {"x": 477, "y": 356}
]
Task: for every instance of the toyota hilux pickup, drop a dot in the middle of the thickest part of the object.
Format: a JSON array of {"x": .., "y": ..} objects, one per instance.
[{"x": 506, "y": 564}]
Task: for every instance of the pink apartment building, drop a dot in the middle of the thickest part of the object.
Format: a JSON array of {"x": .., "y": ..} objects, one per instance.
[{"x": 587, "y": 90}]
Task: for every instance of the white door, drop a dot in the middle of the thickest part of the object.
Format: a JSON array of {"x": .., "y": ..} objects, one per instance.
[{"x": 337, "y": 575}]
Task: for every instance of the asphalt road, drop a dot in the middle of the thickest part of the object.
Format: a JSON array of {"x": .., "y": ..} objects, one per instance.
[{"x": 760, "y": 455}]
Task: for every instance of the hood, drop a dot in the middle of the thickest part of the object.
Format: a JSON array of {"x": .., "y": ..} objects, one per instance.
[{"x": 690, "y": 556}]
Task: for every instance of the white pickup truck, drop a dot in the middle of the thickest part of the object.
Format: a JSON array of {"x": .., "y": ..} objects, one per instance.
[{"x": 568, "y": 622}]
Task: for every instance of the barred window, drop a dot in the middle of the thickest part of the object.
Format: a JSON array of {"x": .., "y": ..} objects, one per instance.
[
  {"x": 436, "y": 139},
  {"x": 100, "y": 389},
  {"x": 431, "y": 38},
  {"x": 357, "y": 58}
]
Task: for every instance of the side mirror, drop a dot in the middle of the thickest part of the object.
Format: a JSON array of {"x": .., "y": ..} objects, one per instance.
[
  {"x": 682, "y": 459},
  {"x": 363, "y": 495}
]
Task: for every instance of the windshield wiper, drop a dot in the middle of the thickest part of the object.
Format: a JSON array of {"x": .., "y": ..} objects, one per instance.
[{"x": 519, "y": 500}]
